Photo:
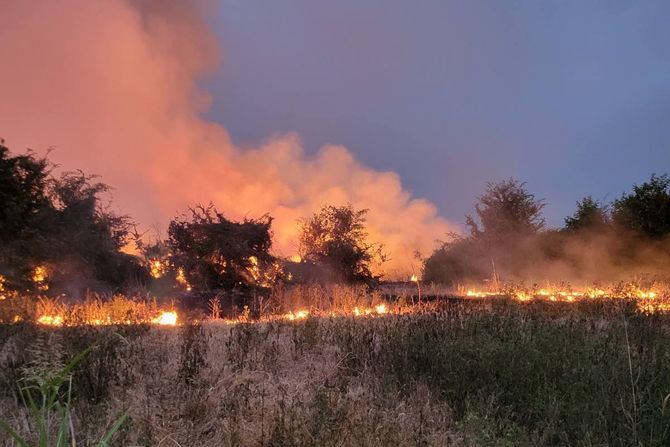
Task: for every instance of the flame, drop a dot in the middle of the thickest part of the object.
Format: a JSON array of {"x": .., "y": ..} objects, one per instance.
[
  {"x": 51, "y": 320},
  {"x": 296, "y": 258},
  {"x": 181, "y": 279},
  {"x": 168, "y": 318},
  {"x": 299, "y": 315},
  {"x": 254, "y": 269},
  {"x": 414, "y": 278},
  {"x": 647, "y": 298},
  {"x": 40, "y": 276},
  {"x": 157, "y": 268}
]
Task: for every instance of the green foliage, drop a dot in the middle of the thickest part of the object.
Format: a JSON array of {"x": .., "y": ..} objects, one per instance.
[
  {"x": 336, "y": 239},
  {"x": 47, "y": 398},
  {"x": 647, "y": 209},
  {"x": 589, "y": 215},
  {"x": 217, "y": 253},
  {"x": 506, "y": 209},
  {"x": 539, "y": 375}
]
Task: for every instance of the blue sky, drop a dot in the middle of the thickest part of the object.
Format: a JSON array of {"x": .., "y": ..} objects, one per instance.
[{"x": 572, "y": 97}]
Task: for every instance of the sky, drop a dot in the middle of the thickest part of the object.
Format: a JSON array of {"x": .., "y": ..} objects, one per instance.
[
  {"x": 572, "y": 97},
  {"x": 403, "y": 108}
]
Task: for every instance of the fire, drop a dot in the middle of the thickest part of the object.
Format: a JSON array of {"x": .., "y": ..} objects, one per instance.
[
  {"x": 253, "y": 269},
  {"x": 51, "y": 320},
  {"x": 181, "y": 279},
  {"x": 648, "y": 299},
  {"x": 296, "y": 258},
  {"x": 40, "y": 277},
  {"x": 157, "y": 268},
  {"x": 166, "y": 319},
  {"x": 299, "y": 315},
  {"x": 414, "y": 278},
  {"x": 380, "y": 308}
]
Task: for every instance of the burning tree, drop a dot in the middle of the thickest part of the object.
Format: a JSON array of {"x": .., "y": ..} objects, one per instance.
[
  {"x": 23, "y": 214},
  {"x": 211, "y": 252},
  {"x": 336, "y": 239},
  {"x": 56, "y": 231}
]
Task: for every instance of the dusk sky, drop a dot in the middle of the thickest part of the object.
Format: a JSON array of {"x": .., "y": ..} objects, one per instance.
[
  {"x": 403, "y": 108},
  {"x": 572, "y": 97}
]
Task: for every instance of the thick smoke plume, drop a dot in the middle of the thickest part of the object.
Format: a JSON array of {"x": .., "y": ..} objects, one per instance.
[{"x": 111, "y": 84}]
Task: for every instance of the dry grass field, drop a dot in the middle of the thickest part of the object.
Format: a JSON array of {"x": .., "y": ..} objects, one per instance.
[{"x": 456, "y": 372}]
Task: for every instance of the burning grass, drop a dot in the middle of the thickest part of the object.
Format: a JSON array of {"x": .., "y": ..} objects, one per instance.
[
  {"x": 95, "y": 310},
  {"x": 463, "y": 370}
]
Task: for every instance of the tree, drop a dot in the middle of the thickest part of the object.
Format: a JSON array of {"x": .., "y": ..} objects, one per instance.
[
  {"x": 336, "y": 238},
  {"x": 60, "y": 226},
  {"x": 456, "y": 262},
  {"x": 216, "y": 253},
  {"x": 589, "y": 214},
  {"x": 88, "y": 237},
  {"x": 506, "y": 209},
  {"x": 25, "y": 204},
  {"x": 646, "y": 210},
  {"x": 508, "y": 221}
]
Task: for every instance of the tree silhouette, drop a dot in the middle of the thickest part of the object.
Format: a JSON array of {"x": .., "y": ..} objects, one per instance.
[
  {"x": 647, "y": 209},
  {"x": 336, "y": 238}
]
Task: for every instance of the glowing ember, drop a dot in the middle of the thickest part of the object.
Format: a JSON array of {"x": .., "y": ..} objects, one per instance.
[
  {"x": 40, "y": 277},
  {"x": 253, "y": 269},
  {"x": 296, "y": 258},
  {"x": 181, "y": 279},
  {"x": 157, "y": 268},
  {"x": 166, "y": 319}
]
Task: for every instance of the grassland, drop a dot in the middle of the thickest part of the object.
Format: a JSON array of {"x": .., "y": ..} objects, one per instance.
[{"x": 476, "y": 372}]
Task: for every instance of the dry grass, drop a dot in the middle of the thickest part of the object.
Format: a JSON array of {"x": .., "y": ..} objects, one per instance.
[{"x": 228, "y": 385}]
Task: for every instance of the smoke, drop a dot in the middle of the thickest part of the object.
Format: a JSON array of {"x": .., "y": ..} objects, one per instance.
[
  {"x": 112, "y": 85},
  {"x": 603, "y": 255}
]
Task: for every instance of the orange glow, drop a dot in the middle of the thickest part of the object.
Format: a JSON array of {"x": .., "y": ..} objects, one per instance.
[
  {"x": 166, "y": 319},
  {"x": 40, "y": 277},
  {"x": 648, "y": 299},
  {"x": 298, "y": 315},
  {"x": 157, "y": 268},
  {"x": 181, "y": 279},
  {"x": 51, "y": 320}
]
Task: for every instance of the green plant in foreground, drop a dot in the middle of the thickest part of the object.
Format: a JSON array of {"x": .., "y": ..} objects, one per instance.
[{"x": 47, "y": 399}]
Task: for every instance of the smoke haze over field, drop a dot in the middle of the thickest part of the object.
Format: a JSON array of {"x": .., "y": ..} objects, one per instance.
[{"x": 112, "y": 86}]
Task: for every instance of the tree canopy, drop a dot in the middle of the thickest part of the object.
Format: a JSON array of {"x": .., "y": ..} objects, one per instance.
[
  {"x": 216, "y": 253},
  {"x": 646, "y": 210},
  {"x": 506, "y": 209},
  {"x": 336, "y": 238},
  {"x": 60, "y": 225},
  {"x": 589, "y": 214}
]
